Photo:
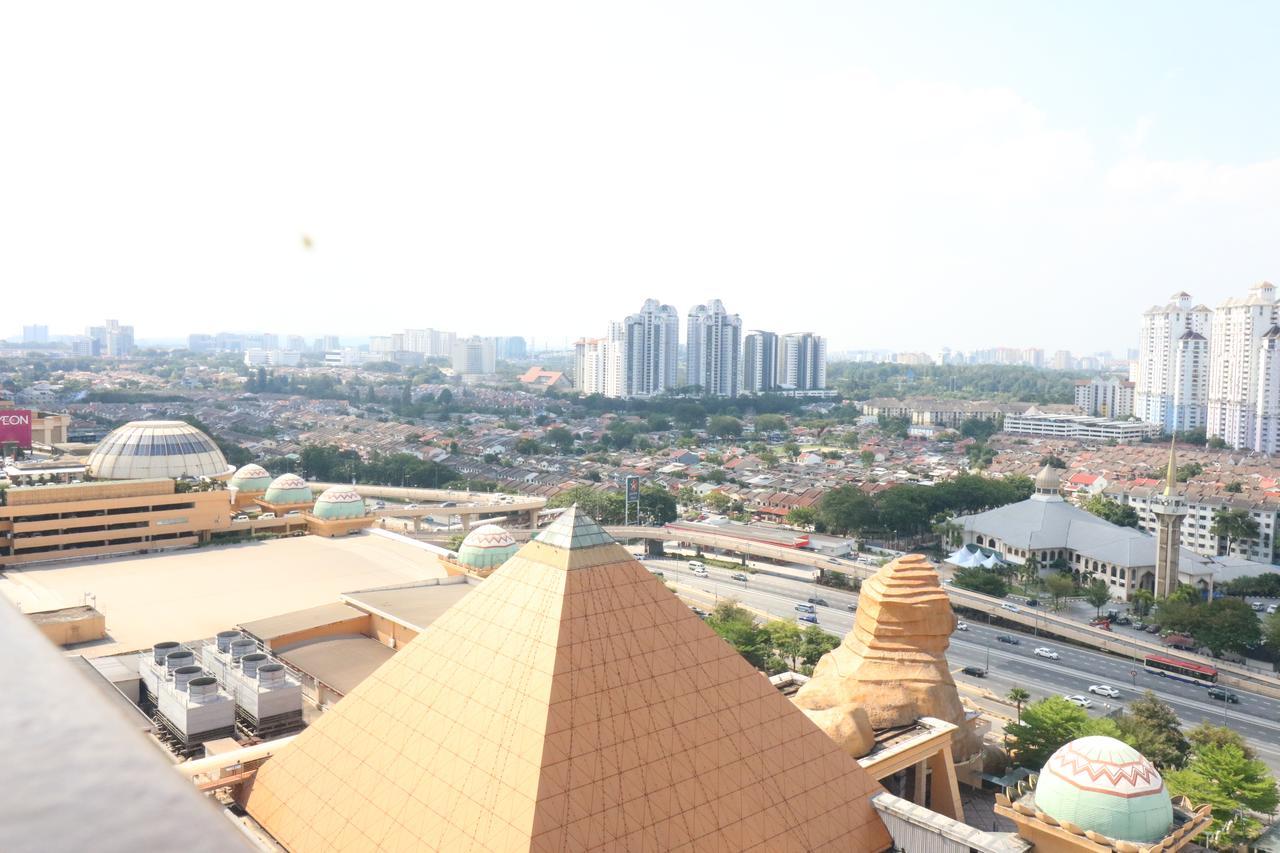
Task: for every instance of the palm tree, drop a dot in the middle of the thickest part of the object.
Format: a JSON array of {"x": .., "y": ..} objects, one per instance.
[
  {"x": 948, "y": 532},
  {"x": 1030, "y": 571},
  {"x": 1234, "y": 524},
  {"x": 1018, "y": 696}
]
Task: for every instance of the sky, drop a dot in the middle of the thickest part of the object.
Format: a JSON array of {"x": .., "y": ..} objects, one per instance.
[{"x": 892, "y": 175}]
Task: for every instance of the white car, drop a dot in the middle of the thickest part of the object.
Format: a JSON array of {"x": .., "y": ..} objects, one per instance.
[
  {"x": 1104, "y": 690},
  {"x": 1044, "y": 652},
  {"x": 962, "y": 626},
  {"x": 1080, "y": 701}
]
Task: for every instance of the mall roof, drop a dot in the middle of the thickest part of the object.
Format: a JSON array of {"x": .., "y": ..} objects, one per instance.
[
  {"x": 415, "y": 606},
  {"x": 570, "y": 701},
  {"x": 340, "y": 662}
]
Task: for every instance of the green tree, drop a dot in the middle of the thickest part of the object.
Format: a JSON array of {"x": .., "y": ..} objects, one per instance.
[
  {"x": 792, "y": 450},
  {"x": 717, "y": 501},
  {"x": 1227, "y": 625},
  {"x": 1232, "y": 525},
  {"x": 1060, "y": 586},
  {"x": 1019, "y": 696},
  {"x": 1206, "y": 733},
  {"x": 657, "y": 506},
  {"x": 1109, "y": 510},
  {"x": 1053, "y": 461},
  {"x": 801, "y": 516},
  {"x": 1097, "y": 593},
  {"x": 770, "y": 423},
  {"x": 787, "y": 641},
  {"x": 1153, "y": 728},
  {"x": 1047, "y": 725},
  {"x": 1029, "y": 571},
  {"x": 528, "y": 447},
  {"x": 847, "y": 509},
  {"x": 738, "y": 628},
  {"x": 688, "y": 497},
  {"x": 817, "y": 643},
  {"x": 560, "y": 437},
  {"x": 1271, "y": 632},
  {"x": 867, "y": 458},
  {"x": 1230, "y": 783},
  {"x": 979, "y": 428},
  {"x": 768, "y": 457},
  {"x": 981, "y": 580},
  {"x": 1141, "y": 601},
  {"x": 725, "y": 426}
]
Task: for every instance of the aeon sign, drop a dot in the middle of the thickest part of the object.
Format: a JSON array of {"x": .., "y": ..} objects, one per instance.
[{"x": 15, "y": 427}]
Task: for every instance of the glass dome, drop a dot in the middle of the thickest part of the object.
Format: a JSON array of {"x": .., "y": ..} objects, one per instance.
[{"x": 144, "y": 449}]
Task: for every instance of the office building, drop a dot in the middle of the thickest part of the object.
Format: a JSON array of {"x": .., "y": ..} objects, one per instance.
[
  {"x": 802, "y": 362},
  {"x": 1062, "y": 360},
  {"x": 599, "y": 363},
  {"x": 651, "y": 349},
  {"x": 1244, "y": 371},
  {"x": 256, "y": 357},
  {"x": 474, "y": 356},
  {"x": 112, "y": 339},
  {"x": 1110, "y": 398},
  {"x": 35, "y": 334},
  {"x": 759, "y": 362},
  {"x": 714, "y": 348},
  {"x": 1171, "y": 388}
]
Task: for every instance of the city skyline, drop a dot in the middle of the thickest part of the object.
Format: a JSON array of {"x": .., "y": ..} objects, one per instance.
[{"x": 726, "y": 149}]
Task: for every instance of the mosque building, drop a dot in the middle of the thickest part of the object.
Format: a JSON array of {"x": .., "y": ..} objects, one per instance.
[{"x": 1056, "y": 532}]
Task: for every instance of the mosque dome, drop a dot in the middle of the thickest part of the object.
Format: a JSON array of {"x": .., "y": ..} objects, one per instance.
[
  {"x": 143, "y": 449},
  {"x": 1048, "y": 481},
  {"x": 486, "y": 547},
  {"x": 288, "y": 489},
  {"x": 1101, "y": 784},
  {"x": 250, "y": 478},
  {"x": 339, "y": 502}
]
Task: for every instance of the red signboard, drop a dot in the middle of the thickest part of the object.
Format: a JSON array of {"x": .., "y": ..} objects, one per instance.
[{"x": 15, "y": 427}]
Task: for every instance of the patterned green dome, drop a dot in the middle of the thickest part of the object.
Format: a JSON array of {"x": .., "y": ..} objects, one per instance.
[
  {"x": 486, "y": 547},
  {"x": 250, "y": 478},
  {"x": 1103, "y": 785},
  {"x": 288, "y": 489},
  {"x": 338, "y": 502}
]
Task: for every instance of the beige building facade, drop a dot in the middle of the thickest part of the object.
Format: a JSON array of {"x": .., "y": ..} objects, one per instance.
[{"x": 42, "y": 523}]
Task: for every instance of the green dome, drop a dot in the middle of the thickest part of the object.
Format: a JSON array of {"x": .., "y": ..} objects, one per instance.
[
  {"x": 250, "y": 478},
  {"x": 288, "y": 489},
  {"x": 338, "y": 502},
  {"x": 1103, "y": 785},
  {"x": 486, "y": 547}
]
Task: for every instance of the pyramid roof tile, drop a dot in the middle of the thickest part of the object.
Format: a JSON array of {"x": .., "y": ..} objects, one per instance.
[{"x": 571, "y": 701}]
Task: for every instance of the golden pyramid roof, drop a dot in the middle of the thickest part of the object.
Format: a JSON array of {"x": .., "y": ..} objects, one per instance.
[{"x": 571, "y": 702}]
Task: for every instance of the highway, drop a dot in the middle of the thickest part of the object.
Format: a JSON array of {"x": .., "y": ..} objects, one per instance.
[{"x": 1257, "y": 718}]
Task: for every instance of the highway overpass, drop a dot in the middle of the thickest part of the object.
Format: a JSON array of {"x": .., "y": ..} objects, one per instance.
[
  {"x": 468, "y": 506},
  {"x": 1235, "y": 675}
]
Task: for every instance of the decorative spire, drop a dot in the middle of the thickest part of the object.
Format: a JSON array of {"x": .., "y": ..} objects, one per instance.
[{"x": 1170, "y": 476}]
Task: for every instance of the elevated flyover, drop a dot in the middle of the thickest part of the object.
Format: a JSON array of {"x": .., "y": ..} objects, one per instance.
[
  {"x": 1037, "y": 619},
  {"x": 468, "y": 506}
]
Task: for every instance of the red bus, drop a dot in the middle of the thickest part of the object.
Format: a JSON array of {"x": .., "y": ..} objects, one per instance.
[{"x": 1195, "y": 673}]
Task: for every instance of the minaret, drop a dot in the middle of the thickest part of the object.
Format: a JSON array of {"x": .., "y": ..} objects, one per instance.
[{"x": 1169, "y": 510}]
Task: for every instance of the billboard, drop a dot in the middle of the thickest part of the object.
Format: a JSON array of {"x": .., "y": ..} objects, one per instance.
[
  {"x": 633, "y": 489},
  {"x": 15, "y": 427}
]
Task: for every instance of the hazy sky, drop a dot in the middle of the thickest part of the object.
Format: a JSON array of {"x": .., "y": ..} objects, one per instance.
[{"x": 893, "y": 174}]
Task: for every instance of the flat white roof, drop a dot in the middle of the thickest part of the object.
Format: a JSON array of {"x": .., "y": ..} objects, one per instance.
[{"x": 192, "y": 594}]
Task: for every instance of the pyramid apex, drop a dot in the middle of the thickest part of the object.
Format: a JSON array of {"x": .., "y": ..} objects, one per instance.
[{"x": 572, "y": 530}]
